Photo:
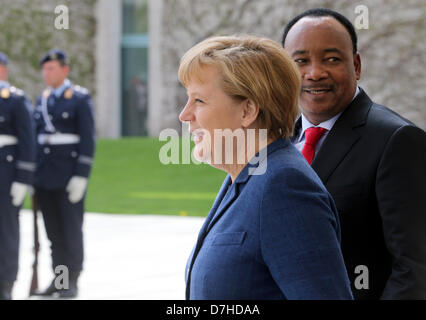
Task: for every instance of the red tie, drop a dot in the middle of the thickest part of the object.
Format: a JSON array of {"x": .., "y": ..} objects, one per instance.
[{"x": 312, "y": 136}]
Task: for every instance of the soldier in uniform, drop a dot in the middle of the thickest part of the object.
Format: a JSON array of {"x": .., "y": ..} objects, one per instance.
[
  {"x": 65, "y": 150},
  {"x": 17, "y": 167}
]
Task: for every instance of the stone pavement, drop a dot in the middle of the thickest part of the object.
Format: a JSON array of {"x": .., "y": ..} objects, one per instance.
[{"x": 126, "y": 256}]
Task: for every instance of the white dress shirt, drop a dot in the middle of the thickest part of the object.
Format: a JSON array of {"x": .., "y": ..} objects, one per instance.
[
  {"x": 59, "y": 90},
  {"x": 299, "y": 143},
  {"x": 4, "y": 84}
]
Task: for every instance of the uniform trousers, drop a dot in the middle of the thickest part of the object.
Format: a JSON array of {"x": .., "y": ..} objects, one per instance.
[
  {"x": 9, "y": 238},
  {"x": 63, "y": 221}
]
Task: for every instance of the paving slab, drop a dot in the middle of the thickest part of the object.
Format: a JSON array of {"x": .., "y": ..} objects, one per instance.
[{"x": 126, "y": 256}]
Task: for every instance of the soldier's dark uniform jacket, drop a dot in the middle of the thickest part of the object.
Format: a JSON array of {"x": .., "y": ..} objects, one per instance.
[
  {"x": 17, "y": 164},
  {"x": 65, "y": 136},
  {"x": 16, "y": 157}
]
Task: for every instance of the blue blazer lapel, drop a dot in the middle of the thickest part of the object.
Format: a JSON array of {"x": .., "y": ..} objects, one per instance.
[
  {"x": 227, "y": 200},
  {"x": 224, "y": 200},
  {"x": 217, "y": 204},
  {"x": 204, "y": 230}
]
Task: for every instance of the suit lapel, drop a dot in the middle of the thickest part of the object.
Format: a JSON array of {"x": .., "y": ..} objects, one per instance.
[
  {"x": 225, "y": 198},
  {"x": 297, "y": 128},
  {"x": 234, "y": 189},
  {"x": 337, "y": 144},
  {"x": 343, "y": 136},
  {"x": 204, "y": 230},
  {"x": 217, "y": 204}
]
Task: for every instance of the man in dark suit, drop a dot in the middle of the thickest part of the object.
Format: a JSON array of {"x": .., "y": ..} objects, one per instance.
[{"x": 370, "y": 159}]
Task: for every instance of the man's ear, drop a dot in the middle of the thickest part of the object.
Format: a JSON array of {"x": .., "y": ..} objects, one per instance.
[
  {"x": 250, "y": 113},
  {"x": 3, "y": 73},
  {"x": 66, "y": 69},
  {"x": 357, "y": 65}
]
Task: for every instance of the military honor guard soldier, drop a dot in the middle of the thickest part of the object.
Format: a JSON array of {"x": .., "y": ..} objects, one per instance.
[
  {"x": 17, "y": 167},
  {"x": 65, "y": 150}
]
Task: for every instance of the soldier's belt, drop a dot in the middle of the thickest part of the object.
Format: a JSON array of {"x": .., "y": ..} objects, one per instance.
[
  {"x": 58, "y": 138},
  {"x": 6, "y": 140}
]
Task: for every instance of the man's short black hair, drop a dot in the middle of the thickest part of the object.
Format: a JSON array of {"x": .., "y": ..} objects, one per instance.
[
  {"x": 55, "y": 54},
  {"x": 323, "y": 12}
]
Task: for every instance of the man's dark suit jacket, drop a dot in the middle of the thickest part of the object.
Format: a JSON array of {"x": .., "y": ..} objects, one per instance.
[{"x": 373, "y": 162}]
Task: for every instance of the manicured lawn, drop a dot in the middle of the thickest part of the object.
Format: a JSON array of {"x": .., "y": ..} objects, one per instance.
[{"x": 128, "y": 177}]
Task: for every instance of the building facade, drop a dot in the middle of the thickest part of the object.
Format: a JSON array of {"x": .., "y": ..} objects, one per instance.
[{"x": 127, "y": 52}]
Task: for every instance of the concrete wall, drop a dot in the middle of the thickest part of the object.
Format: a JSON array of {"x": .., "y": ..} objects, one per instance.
[
  {"x": 108, "y": 72},
  {"x": 28, "y": 31},
  {"x": 393, "y": 48},
  {"x": 92, "y": 43},
  {"x": 156, "y": 94}
]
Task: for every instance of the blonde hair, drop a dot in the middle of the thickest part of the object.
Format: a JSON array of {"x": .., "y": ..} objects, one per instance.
[{"x": 252, "y": 68}]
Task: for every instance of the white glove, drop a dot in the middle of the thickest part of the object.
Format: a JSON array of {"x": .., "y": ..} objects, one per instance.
[
  {"x": 76, "y": 188},
  {"x": 18, "y": 191}
]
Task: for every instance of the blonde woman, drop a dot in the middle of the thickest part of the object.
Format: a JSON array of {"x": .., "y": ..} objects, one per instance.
[{"x": 273, "y": 231}]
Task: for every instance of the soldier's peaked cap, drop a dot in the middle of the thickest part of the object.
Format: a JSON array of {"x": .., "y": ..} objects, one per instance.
[{"x": 54, "y": 54}]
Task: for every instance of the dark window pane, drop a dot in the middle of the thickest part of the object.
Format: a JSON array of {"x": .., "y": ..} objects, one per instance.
[
  {"x": 135, "y": 91},
  {"x": 134, "y": 68},
  {"x": 135, "y": 16}
]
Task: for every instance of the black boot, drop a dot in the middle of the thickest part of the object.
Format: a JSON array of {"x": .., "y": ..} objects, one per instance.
[
  {"x": 72, "y": 291},
  {"x": 51, "y": 289},
  {"x": 6, "y": 290}
]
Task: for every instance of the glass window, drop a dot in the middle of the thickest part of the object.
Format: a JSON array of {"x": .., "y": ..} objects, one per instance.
[{"x": 134, "y": 68}]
